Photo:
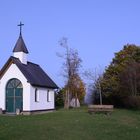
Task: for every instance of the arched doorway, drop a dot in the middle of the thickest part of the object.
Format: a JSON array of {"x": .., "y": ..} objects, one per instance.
[{"x": 14, "y": 96}]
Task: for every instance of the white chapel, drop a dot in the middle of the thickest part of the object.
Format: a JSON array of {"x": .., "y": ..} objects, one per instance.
[{"x": 24, "y": 86}]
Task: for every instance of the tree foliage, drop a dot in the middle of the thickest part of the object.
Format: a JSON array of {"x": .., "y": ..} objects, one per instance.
[
  {"x": 122, "y": 77},
  {"x": 77, "y": 87}
]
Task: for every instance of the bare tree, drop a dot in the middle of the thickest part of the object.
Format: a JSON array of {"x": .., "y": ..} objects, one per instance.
[
  {"x": 95, "y": 77},
  {"x": 71, "y": 66}
]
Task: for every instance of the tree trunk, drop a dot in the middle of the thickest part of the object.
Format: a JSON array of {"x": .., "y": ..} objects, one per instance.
[
  {"x": 66, "y": 105},
  {"x": 135, "y": 83},
  {"x": 100, "y": 93},
  {"x": 76, "y": 100}
]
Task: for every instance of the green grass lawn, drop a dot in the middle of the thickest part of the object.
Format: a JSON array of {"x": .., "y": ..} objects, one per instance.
[{"x": 75, "y": 124}]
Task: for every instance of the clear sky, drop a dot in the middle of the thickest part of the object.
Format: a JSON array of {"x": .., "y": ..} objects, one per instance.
[{"x": 96, "y": 28}]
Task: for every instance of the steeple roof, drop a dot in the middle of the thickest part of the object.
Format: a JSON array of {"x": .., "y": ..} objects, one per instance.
[{"x": 20, "y": 45}]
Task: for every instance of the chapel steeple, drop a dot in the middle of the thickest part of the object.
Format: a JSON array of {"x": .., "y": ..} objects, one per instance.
[
  {"x": 20, "y": 45},
  {"x": 20, "y": 51}
]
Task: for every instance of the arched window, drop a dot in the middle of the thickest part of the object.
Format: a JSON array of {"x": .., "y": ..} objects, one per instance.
[{"x": 14, "y": 83}]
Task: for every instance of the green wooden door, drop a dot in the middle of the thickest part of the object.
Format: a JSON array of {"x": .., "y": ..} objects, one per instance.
[
  {"x": 18, "y": 98},
  {"x": 10, "y": 100},
  {"x": 14, "y": 99}
]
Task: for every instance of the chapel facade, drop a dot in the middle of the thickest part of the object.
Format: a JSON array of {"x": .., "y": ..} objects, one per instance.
[{"x": 24, "y": 86}]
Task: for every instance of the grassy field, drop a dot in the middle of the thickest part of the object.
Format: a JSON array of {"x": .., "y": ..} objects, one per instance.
[{"x": 75, "y": 124}]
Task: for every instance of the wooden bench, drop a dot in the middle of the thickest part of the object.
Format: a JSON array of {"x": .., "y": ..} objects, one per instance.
[{"x": 107, "y": 109}]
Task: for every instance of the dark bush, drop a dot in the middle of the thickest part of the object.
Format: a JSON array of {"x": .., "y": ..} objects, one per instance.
[
  {"x": 59, "y": 99},
  {"x": 132, "y": 102}
]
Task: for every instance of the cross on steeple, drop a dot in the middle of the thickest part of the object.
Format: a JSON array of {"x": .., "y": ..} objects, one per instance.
[{"x": 20, "y": 25}]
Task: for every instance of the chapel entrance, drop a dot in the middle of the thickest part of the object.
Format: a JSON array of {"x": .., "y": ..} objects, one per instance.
[{"x": 14, "y": 96}]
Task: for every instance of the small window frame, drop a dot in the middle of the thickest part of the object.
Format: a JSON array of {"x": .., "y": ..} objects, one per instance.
[
  {"x": 48, "y": 95},
  {"x": 36, "y": 95}
]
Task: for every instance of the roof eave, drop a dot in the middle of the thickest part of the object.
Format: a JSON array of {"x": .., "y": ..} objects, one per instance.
[{"x": 44, "y": 86}]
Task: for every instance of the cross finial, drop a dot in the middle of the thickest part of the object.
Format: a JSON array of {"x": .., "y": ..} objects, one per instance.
[{"x": 21, "y": 24}]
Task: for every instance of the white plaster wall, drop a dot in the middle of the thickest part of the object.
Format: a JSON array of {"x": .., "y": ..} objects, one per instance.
[
  {"x": 14, "y": 72},
  {"x": 42, "y": 104},
  {"x": 22, "y": 57}
]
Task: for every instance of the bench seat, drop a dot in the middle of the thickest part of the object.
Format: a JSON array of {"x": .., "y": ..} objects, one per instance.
[{"x": 107, "y": 109}]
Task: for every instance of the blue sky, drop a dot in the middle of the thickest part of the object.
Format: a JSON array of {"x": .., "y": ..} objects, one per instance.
[{"x": 96, "y": 28}]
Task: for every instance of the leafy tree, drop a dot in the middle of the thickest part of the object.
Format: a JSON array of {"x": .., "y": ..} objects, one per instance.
[{"x": 122, "y": 77}]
